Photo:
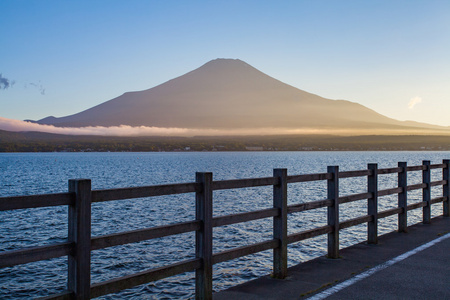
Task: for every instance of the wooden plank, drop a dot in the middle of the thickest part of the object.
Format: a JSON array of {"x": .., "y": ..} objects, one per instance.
[
  {"x": 204, "y": 236},
  {"x": 66, "y": 295},
  {"x": 389, "y": 212},
  {"x": 308, "y": 206},
  {"x": 355, "y": 221},
  {"x": 358, "y": 173},
  {"x": 115, "y": 239},
  {"x": 243, "y": 183},
  {"x": 417, "y": 186},
  {"x": 402, "y": 180},
  {"x": 307, "y": 234},
  {"x": 280, "y": 224},
  {"x": 354, "y": 197},
  {"x": 27, "y": 255},
  {"x": 426, "y": 192},
  {"x": 391, "y": 191},
  {"x": 372, "y": 204},
  {"x": 437, "y": 166},
  {"x": 129, "y": 281},
  {"x": 416, "y": 205},
  {"x": 437, "y": 200},
  {"x": 79, "y": 262},
  {"x": 436, "y": 183},
  {"x": 415, "y": 168},
  {"x": 308, "y": 177},
  {"x": 244, "y": 217},
  {"x": 446, "y": 188},
  {"x": 144, "y": 191},
  {"x": 34, "y": 201},
  {"x": 244, "y": 251},
  {"x": 389, "y": 171},
  {"x": 333, "y": 212}
]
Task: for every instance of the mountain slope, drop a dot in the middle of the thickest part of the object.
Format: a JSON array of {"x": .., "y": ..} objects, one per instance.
[{"x": 229, "y": 94}]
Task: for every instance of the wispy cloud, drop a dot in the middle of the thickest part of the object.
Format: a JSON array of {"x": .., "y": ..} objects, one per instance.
[
  {"x": 38, "y": 86},
  {"x": 414, "y": 101},
  {"x": 125, "y": 130},
  {"x": 5, "y": 82},
  {"x": 122, "y": 130}
]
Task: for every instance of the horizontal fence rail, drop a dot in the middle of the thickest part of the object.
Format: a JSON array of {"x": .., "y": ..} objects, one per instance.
[{"x": 80, "y": 243}]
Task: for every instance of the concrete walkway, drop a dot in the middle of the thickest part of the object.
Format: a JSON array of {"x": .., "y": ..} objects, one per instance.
[{"x": 413, "y": 265}]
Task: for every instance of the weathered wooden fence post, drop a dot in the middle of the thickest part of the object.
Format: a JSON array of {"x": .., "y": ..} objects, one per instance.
[
  {"x": 403, "y": 198},
  {"x": 446, "y": 187},
  {"x": 426, "y": 192},
  {"x": 280, "y": 224},
  {"x": 203, "y": 237},
  {"x": 333, "y": 211},
  {"x": 79, "y": 264},
  {"x": 372, "y": 204}
]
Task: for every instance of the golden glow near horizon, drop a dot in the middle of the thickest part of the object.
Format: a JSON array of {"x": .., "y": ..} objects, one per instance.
[{"x": 125, "y": 130}]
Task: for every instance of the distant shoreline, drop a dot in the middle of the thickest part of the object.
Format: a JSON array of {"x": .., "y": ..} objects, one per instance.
[{"x": 44, "y": 142}]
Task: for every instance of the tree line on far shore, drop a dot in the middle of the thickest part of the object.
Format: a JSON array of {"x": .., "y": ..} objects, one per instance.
[{"x": 44, "y": 142}]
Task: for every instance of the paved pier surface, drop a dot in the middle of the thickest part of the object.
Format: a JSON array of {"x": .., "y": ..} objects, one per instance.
[{"x": 413, "y": 265}]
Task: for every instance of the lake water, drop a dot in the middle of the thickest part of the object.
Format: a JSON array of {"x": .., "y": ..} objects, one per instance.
[{"x": 40, "y": 173}]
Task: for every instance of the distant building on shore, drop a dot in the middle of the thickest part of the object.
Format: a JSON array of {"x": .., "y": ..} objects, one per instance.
[{"x": 254, "y": 148}]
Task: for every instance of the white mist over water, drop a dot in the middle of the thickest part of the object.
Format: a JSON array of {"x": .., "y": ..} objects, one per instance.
[{"x": 127, "y": 130}]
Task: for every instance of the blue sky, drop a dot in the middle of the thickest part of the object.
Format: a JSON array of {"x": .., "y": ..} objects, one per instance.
[{"x": 62, "y": 57}]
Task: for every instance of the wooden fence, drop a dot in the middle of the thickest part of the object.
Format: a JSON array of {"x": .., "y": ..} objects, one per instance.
[{"x": 79, "y": 243}]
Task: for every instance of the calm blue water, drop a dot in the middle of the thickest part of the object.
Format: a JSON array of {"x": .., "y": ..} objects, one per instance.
[{"x": 39, "y": 173}]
